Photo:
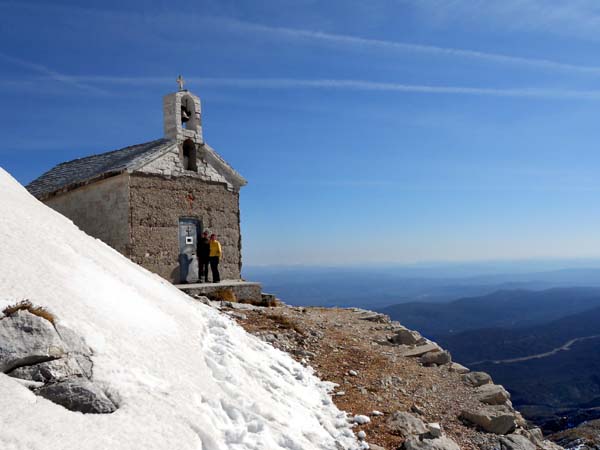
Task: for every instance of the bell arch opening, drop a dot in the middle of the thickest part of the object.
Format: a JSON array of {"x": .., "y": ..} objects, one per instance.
[
  {"x": 189, "y": 156},
  {"x": 189, "y": 120}
]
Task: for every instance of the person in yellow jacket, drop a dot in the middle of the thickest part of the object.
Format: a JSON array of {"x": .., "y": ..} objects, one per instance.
[{"x": 214, "y": 257}]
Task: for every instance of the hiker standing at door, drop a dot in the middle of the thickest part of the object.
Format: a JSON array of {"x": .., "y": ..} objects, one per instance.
[
  {"x": 203, "y": 255},
  {"x": 214, "y": 257}
]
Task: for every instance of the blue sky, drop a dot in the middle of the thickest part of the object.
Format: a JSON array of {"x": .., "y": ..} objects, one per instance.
[{"x": 379, "y": 131}]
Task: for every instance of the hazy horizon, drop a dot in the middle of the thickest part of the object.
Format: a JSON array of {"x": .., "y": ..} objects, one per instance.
[{"x": 475, "y": 266}]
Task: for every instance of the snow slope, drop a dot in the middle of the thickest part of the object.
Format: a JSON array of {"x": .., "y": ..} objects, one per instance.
[{"x": 187, "y": 377}]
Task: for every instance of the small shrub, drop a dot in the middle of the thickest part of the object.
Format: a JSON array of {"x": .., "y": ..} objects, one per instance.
[
  {"x": 270, "y": 301},
  {"x": 26, "y": 305},
  {"x": 265, "y": 302},
  {"x": 224, "y": 295},
  {"x": 286, "y": 323}
]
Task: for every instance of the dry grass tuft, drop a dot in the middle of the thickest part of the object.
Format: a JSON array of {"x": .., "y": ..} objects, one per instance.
[
  {"x": 223, "y": 295},
  {"x": 270, "y": 301},
  {"x": 26, "y": 305},
  {"x": 285, "y": 322},
  {"x": 265, "y": 302}
]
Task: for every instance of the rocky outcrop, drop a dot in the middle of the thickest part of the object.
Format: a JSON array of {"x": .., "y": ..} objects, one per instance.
[
  {"x": 477, "y": 379},
  {"x": 516, "y": 442},
  {"x": 405, "y": 336},
  {"x": 459, "y": 368},
  {"x": 78, "y": 394},
  {"x": 497, "y": 419},
  {"x": 437, "y": 358},
  {"x": 49, "y": 372},
  {"x": 54, "y": 361},
  {"x": 405, "y": 424},
  {"x": 492, "y": 394},
  {"x": 27, "y": 339},
  {"x": 441, "y": 443},
  {"x": 419, "y": 350},
  {"x": 418, "y": 435}
]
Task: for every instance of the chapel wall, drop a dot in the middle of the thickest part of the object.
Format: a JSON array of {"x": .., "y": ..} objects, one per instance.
[
  {"x": 169, "y": 165},
  {"x": 158, "y": 202},
  {"x": 100, "y": 209}
]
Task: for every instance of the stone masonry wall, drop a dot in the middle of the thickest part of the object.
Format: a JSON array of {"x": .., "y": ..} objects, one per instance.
[
  {"x": 100, "y": 209},
  {"x": 158, "y": 202},
  {"x": 169, "y": 165}
]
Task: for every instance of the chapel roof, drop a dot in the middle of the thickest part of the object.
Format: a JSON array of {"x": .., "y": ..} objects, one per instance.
[{"x": 71, "y": 174}]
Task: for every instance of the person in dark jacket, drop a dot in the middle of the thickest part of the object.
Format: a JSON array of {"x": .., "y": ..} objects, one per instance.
[{"x": 203, "y": 254}]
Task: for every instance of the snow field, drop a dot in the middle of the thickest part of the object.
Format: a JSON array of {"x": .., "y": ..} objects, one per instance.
[{"x": 186, "y": 377}]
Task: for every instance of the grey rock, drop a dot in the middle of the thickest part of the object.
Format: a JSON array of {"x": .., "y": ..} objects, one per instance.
[
  {"x": 72, "y": 341},
  {"x": 76, "y": 348},
  {"x": 371, "y": 316},
  {"x": 375, "y": 447},
  {"x": 405, "y": 424},
  {"x": 51, "y": 360},
  {"x": 50, "y": 371},
  {"x": 459, "y": 368},
  {"x": 237, "y": 315},
  {"x": 516, "y": 442},
  {"x": 441, "y": 443},
  {"x": 78, "y": 395},
  {"x": 419, "y": 350},
  {"x": 239, "y": 306},
  {"x": 405, "y": 337},
  {"x": 436, "y": 358},
  {"x": 31, "y": 385},
  {"x": 305, "y": 353},
  {"x": 535, "y": 434},
  {"x": 497, "y": 419},
  {"x": 492, "y": 394},
  {"x": 435, "y": 430},
  {"x": 85, "y": 364},
  {"x": 27, "y": 339},
  {"x": 549, "y": 445},
  {"x": 477, "y": 379},
  {"x": 417, "y": 409}
]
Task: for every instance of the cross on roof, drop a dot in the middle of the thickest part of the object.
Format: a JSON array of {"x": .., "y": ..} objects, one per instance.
[{"x": 180, "y": 82}]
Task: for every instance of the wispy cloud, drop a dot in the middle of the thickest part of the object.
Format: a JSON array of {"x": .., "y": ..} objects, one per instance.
[
  {"x": 90, "y": 82},
  {"x": 575, "y": 14},
  {"x": 362, "y": 42},
  {"x": 577, "y": 18},
  {"x": 359, "y": 85},
  {"x": 50, "y": 74}
]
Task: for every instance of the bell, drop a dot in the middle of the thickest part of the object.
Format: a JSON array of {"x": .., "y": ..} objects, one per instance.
[{"x": 185, "y": 115}]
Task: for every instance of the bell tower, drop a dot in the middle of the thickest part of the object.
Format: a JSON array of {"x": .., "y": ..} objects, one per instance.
[{"x": 182, "y": 116}]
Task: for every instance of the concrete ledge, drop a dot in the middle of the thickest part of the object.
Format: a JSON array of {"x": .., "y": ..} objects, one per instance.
[{"x": 243, "y": 290}]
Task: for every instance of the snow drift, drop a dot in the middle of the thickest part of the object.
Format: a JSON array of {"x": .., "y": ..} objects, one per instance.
[{"x": 185, "y": 376}]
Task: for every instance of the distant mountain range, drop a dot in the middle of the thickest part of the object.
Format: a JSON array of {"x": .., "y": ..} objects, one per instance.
[
  {"x": 377, "y": 287},
  {"x": 544, "y": 347},
  {"x": 505, "y": 308}
]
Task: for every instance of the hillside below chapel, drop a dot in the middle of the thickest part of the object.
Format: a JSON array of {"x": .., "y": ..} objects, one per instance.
[{"x": 406, "y": 385}]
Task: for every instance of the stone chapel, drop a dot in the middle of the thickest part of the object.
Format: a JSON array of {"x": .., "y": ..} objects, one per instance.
[{"x": 152, "y": 201}]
